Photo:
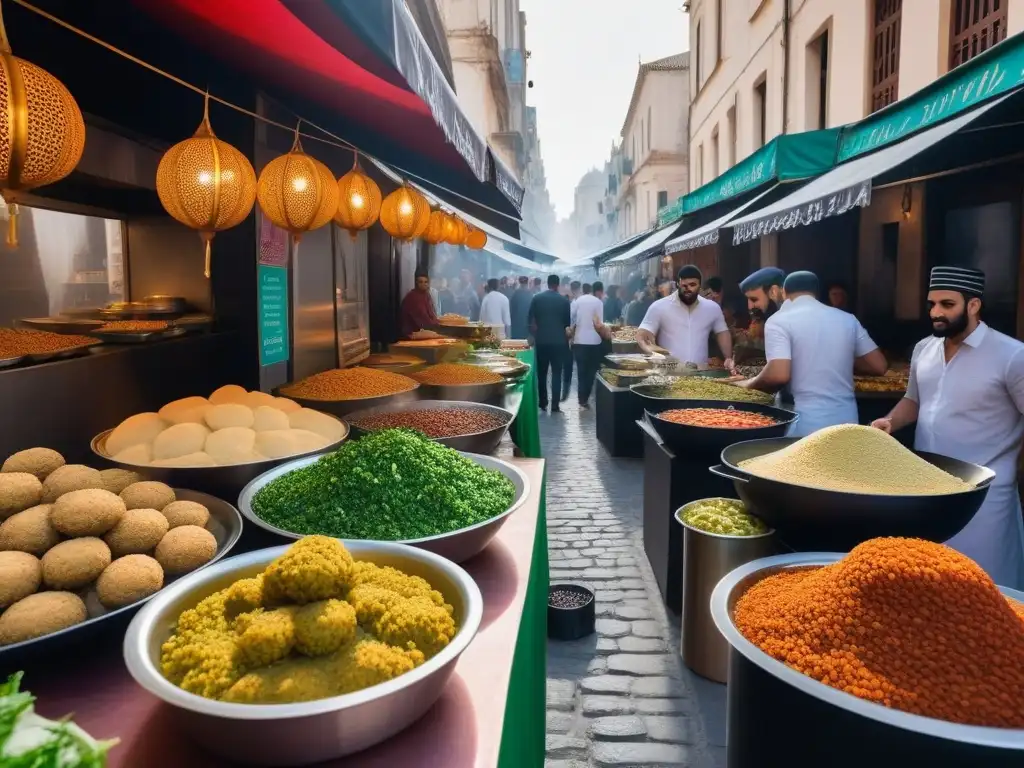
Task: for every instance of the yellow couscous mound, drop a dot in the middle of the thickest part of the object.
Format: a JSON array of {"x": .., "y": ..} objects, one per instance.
[{"x": 314, "y": 624}]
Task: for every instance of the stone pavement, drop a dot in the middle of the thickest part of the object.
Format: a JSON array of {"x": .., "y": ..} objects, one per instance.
[{"x": 622, "y": 696}]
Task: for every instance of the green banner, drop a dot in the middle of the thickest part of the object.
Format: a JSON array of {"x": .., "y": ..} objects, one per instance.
[
  {"x": 996, "y": 71},
  {"x": 751, "y": 172},
  {"x": 273, "y": 314},
  {"x": 669, "y": 213}
]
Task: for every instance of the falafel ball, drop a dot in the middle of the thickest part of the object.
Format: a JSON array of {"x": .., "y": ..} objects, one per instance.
[
  {"x": 75, "y": 563},
  {"x": 89, "y": 512},
  {"x": 20, "y": 576},
  {"x": 185, "y": 548},
  {"x": 18, "y": 492},
  {"x": 41, "y": 614},
  {"x": 129, "y": 579},
  {"x": 116, "y": 480},
  {"x": 29, "y": 531},
  {"x": 70, "y": 477},
  {"x": 35, "y": 461},
  {"x": 138, "y": 531},
  {"x": 148, "y": 494},
  {"x": 180, "y": 513}
]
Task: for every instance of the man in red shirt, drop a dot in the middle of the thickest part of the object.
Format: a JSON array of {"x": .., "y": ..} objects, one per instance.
[{"x": 417, "y": 310}]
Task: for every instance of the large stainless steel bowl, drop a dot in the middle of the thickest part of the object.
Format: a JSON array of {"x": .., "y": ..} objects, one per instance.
[
  {"x": 458, "y": 546},
  {"x": 312, "y": 731},
  {"x": 475, "y": 442},
  {"x": 224, "y": 482},
  {"x": 342, "y": 408},
  {"x": 778, "y": 716},
  {"x": 466, "y": 393},
  {"x": 226, "y": 526}
]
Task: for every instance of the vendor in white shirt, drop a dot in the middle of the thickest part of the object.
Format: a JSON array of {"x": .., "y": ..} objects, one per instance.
[
  {"x": 814, "y": 349},
  {"x": 494, "y": 310},
  {"x": 681, "y": 323},
  {"x": 966, "y": 393}
]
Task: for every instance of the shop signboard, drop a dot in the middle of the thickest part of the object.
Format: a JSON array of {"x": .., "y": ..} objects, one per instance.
[
  {"x": 273, "y": 314},
  {"x": 753, "y": 171},
  {"x": 669, "y": 213}
]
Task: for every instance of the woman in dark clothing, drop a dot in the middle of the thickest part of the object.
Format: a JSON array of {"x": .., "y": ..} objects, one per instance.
[{"x": 612, "y": 305}]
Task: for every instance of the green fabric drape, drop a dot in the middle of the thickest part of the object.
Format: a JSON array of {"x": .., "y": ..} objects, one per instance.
[{"x": 522, "y": 736}]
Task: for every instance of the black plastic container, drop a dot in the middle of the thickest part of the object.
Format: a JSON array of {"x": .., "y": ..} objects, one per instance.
[
  {"x": 709, "y": 442},
  {"x": 816, "y": 520},
  {"x": 779, "y": 717},
  {"x": 571, "y": 623}
]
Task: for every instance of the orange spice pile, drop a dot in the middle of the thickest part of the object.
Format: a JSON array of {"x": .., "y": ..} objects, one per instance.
[
  {"x": 448, "y": 374},
  {"x": 349, "y": 384},
  {"x": 910, "y": 624},
  {"x": 720, "y": 418},
  {"x": 17, "y": 342}
]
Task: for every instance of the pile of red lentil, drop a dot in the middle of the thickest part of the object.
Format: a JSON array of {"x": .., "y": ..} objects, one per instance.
[
  {"x": 449, "y": 422},
  {"x": 718, "y": 418},
  {"x": 909, "y": 624}
]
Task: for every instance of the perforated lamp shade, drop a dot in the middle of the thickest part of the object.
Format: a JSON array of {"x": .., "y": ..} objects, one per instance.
[
  {"x": 438, "y": 228},
  {"x": 359, "y": 201},
  {"x": 206, "y": 184},
  {"x": 476, "y": 239},
  {"x": 405, "y": 214},
  {"x": 42, "y": 133},
  {"x": 459, "y": 231},
  {"x": 297, "y": 192}
]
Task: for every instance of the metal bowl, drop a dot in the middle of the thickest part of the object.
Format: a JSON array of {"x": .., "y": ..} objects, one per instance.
[
  {"x": 225, "y": 482},
  {"x": 778, "y": 716},
  {"x": 342, "y": 408},
  {"x": 468, "y": 393},
  {"x": 226, "y": 526},
  {"x": 458, "y": 546},
  {"x": 709, "y": 442},
  {"x": 815, "y": 519},
  {"x": 476, "y": 442},
  {"x": 470, "y": 331},
  {"x": 312, "y": 731}
]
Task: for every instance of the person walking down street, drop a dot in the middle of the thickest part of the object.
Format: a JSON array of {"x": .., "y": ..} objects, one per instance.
[
  {"x": 575, "y": 291},
  {"x": 535, "y": 285},
  {"x": 612, "y": 304},
  {"x": 549, "y": 318},
  {"x": 519, "y": 306},
  {"x": 417, "y": 309},
  {"x": 494, "y": 309},
  {"x": 966, "y": 394},
  {"x": 467, "y": 301},
  {"x": 638, "y": 308},
  {"x": 445, "y": 297},
  {"x": 587, "y": 347}
]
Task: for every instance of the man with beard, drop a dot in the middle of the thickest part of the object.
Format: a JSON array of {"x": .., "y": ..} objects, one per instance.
[
  {"x": 682, "y": 323},
  {"x": 966, "y": 393},
  {"x": 763, "y": 290},
  {"x": 813, "y": 350}
]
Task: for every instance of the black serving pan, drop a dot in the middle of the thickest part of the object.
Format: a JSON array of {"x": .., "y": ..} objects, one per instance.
[
  {"x": 709, "y": 442},
  {"x": 816, "y": 520}
]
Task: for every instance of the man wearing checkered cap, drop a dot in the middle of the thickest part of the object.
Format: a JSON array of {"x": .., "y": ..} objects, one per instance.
[{"x": 966, "y": 393}]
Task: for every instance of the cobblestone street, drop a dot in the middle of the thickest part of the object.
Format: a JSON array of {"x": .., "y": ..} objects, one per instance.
[{"x": 622, "y": 696}]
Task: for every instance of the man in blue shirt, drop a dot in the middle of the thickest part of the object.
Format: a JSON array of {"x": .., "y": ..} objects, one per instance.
[{"x": 549, "y": 317}]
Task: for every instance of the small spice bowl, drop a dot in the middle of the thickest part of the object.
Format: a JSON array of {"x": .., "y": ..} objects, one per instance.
[{"x": 570, "y": 612}]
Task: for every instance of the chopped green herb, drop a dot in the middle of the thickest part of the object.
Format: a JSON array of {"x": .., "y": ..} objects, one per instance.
[{"x": 391, "y": 485}]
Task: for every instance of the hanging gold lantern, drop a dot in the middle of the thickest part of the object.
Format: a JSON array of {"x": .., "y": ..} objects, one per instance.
[
  {"x": 438, "y": 227},
  {"x": 459, "y": 231},
  {"x": 206, "y": 183},
  {"x": 405, "y": 213},
  {"x": 476, "y": 239},
  {"x": 42, "y": 133},
  {"x": 359, "y": 200},
  {"x": 297, "y": 192}
]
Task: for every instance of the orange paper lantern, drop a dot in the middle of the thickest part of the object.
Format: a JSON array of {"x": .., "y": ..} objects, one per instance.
[
  {"x": 405, "y": 214},
  {"x": 297, "y": 192},
  {"x": 438, "y": 228},
  {"x": 459, "y": 231},
  {"x": 358, "y": 202},
  {"x": 476, "y": 239}
]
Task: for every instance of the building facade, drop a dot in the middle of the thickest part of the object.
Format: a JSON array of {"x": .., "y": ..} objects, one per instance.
[
  {"x": 589, "y": 217},
  {"x": 651, "y": 169},
  {"x": 760, "y": 68}
]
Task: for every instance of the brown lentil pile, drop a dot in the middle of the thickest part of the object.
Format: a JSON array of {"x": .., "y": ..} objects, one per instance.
[
  {"x": 447, "y": 374},
  {"x": 134, "y": 326},
  {"x": 18, "y": 342},
  {"x": 909, "y": 624},
  {"x": 449, "y": 422},
  {"x": 349, "y": 384}
]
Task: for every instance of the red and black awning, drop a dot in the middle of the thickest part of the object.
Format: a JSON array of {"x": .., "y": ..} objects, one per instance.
[{"x": 363, "y": 71}]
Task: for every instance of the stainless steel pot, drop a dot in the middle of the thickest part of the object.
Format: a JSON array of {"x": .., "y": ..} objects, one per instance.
[
  {"x": 474, "y": 442},
  {"x": 466, "y": 393},
  {"x": 778, "y": 716},
  {"x": 312, "y": 731},
  {"x": 342, "y": 408}
]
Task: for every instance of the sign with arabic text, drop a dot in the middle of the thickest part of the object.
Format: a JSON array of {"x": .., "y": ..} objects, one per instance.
[
  {"x": 834, "y": 204},
  {"x": 273, "y": 314},
  {"x": 751, "y": 172}
]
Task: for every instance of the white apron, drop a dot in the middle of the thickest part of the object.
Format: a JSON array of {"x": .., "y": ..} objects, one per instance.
[{"x": 994, "y": 538}]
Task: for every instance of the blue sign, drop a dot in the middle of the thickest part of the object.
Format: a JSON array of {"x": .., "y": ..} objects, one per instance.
[
  {"x": 273, "y": 308},
  {"x": 515, "y": 68}
]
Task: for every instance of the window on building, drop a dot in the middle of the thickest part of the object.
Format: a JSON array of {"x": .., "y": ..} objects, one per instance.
[
  {"x": 885, "y": 69},
  {"x": 713, "y": 167},
  {"x": 650, "y": 215},
  {"x": 730, "y": 133},
  {"x": 642, "y": 134},
  {"x": 975, "y": 26},
  {"x": 662, "y": 198},
  {"x": 699, "y": 170},
  {"x": 817, "y": 82},
  {"x": 719, "y": 30},
  {"x": 648, "y": 129},
  {"x": 696, "y": 56},
  {"x": 761, "y": 113}
]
